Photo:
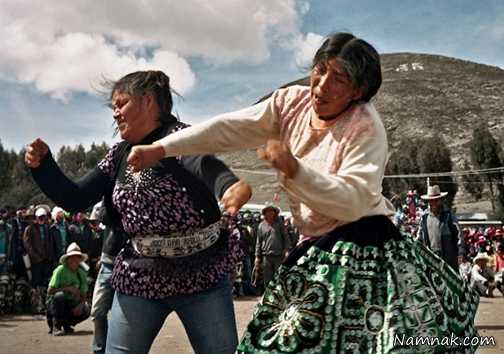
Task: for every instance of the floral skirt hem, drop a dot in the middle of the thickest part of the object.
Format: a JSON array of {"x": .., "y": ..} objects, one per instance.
[{"x": 397, "y": 297}]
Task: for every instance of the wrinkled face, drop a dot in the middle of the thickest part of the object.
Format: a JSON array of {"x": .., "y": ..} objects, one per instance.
[
  {"x": 331, "y": 89},
  {"x": 73, "y": 262},
  {"x": 131, "y": 116}
]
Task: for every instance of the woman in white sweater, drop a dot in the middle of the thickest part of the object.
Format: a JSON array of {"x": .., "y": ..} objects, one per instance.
[{"x": 354, "y": 283}]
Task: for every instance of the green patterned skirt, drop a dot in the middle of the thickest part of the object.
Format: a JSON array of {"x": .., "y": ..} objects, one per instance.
[{"x": 363, "y": 288}]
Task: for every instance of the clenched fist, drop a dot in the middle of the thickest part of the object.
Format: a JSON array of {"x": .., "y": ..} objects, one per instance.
[
  {"x": 35, "y": 152},
  {"x": 236, "y": 196},
  {"x": 280, "y": 157},
  {"x": 145, "y": 156}
]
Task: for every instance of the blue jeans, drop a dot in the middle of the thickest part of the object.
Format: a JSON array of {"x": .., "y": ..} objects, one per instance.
[
  {"x": 103, "y": 296},
  {"x": 208, "y": 318}
]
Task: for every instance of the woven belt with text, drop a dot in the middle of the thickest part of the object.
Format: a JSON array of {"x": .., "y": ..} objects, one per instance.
[{"x": 177, "y": 245}]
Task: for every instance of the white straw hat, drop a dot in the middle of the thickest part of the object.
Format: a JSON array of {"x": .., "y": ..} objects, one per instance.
[
  {"x": 434, "y": 192},
  {"x": 73, "y": 250}
]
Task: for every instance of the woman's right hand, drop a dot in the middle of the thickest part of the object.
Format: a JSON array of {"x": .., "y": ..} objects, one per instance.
[{"x": 35, "y": 152}]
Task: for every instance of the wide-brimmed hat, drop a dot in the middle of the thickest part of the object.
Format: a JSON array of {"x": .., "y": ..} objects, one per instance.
[
  {"x": 270, "y": 207},
  {"x": 481, "y": 257},
  {"x": 434, "y": 192},
  {"x": 73, "y": 250}
]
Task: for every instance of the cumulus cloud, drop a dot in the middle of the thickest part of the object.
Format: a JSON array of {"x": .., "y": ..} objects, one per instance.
[
  {"x": 305, "y": 47},
  {"x": 62, "y": 47}
]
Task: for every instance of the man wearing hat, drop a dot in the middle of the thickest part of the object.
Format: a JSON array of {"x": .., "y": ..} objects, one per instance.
[
  {"x": 67, "y": 293},
  {"x": 482, "y": 277},
  {"x": 272, "y": 243},
  {"x": 41, "y": 248},
  {"x": 438, "y": 229}
]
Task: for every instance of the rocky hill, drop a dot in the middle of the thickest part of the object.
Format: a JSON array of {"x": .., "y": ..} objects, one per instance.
[{"x": 421, "y": 94}]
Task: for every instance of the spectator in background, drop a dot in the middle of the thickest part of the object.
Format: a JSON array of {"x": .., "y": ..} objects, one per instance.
[
  {"x": 19, "y": 224},
  {"x": 81, "y": 232},
  {"x": 499, "y": 267},
  {"x": 41, "y": 249},
  {"x": 465, "y": 268},
  {"x": 6, "y": 233},
  {"x": 103, "y": 292},
  {"x": 246, "y": 288},
  {"x": 59, "y": 228},
  {"x": 97, "y": 238},
  {"x": 272, "y": 243},
  {"x": 439, "y": 230},
  {"x": 492, "y": 262},
  {"x": 499, "y": 258},
  {"x": 6, "y": 289},
  {"x": 67, "y": 293},
  {"x": 482, "y": 277}
]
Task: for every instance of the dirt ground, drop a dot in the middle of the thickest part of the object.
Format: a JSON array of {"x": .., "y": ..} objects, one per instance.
[{"x": 27, "y": 335}]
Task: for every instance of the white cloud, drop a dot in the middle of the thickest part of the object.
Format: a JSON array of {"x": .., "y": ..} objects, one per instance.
[
  {"x": 62, "y": 47},
  {"x": 77, "y": 61},
  {"x": 305, "y": 47}
]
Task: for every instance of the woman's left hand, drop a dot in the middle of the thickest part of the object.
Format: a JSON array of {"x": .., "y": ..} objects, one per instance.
[
  {"x": 280, "y": 157},
  {"x": 236, "y": 196}
]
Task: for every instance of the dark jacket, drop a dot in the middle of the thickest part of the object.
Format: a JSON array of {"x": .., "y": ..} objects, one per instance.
[
  {"x": 451, "y": 245},
  {"x": 56, "y": 234},
  {"x": 9, "y": 233},
  {"x": 272, "y": 240},
  {"x": 40, "y": 250},
  {"x": 82, "y": 235}
]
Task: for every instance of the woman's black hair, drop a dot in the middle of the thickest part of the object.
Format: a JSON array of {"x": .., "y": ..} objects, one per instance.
[
  {"x": 153, "y": 82},
  {"x": 358, "y": 58}
]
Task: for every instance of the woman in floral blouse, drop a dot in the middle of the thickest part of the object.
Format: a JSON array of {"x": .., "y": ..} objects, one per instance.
[{"x": 179, "y": 253}]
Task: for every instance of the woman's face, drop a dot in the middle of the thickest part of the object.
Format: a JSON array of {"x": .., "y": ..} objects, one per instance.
[
  {"x": 331, "y": 89},
  {"x": 133, "y": 117}
]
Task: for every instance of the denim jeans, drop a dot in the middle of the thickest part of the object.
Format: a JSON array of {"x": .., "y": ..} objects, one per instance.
[
  {"x": 208, "y": 318},
  {"x": 103, "y": 295}
]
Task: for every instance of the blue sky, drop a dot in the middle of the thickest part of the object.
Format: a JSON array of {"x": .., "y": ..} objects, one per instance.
[{"x": 221, "y": 55}]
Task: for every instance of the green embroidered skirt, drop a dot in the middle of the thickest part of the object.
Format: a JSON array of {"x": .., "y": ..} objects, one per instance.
[{"x": 363, "y": 288}]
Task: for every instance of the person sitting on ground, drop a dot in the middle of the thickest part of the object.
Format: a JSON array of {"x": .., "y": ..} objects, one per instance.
[
  {"x": 67, "y": 293},
  {"x": 465, "y": 267},
  {"x": 482, "y": 277}
]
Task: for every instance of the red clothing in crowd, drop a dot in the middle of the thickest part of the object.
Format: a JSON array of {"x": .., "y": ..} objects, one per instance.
[{"x": 499, "y": 262}]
